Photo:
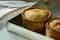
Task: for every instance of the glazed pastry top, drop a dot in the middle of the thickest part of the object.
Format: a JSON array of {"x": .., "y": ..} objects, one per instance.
[
  {"x": 55, "y": 24},
  {"x": 36, "y": 14}
]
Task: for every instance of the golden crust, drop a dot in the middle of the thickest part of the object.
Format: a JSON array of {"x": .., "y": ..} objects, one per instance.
[
  {"x": 55, "y": 24},
  {"x": 36, "y": 14}
]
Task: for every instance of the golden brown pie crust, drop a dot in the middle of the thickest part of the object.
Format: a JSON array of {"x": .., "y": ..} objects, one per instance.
[
  {"x": 35, "y": 25},
  {"x": 36, "y": 14},
  {"x": 52, "y": 30}
]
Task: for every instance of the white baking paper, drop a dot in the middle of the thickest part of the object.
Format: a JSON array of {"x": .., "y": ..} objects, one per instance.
[{"x": 8, "y": 6}]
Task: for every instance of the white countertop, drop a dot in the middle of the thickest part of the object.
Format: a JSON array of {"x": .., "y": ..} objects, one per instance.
[{"x": 5, "y": 35}]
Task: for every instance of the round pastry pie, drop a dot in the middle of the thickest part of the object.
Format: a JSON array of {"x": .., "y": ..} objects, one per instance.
[
  {"x": 53, "y": 29},
  {"x": 35, "y": 18},
  {"x": 55, "y": 24}
]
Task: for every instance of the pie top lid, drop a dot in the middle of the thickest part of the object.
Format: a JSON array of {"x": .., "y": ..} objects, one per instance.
[
  {"x": 36, "y": 14},
  {"x": 55, "y": 24}
]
